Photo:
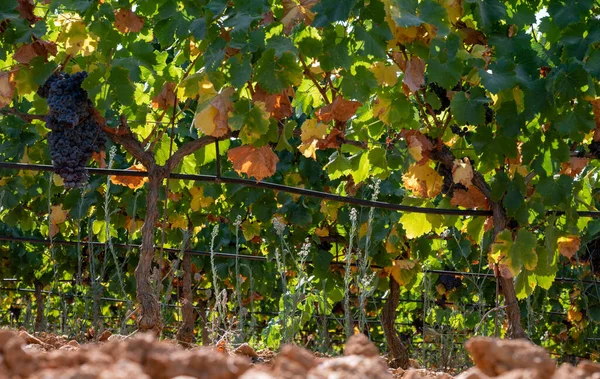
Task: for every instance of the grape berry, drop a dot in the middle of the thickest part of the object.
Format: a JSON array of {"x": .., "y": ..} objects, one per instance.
[
  {"x": 448, "y": 185},
  {"x": 450, "y": 282},
  {"x": 74, "y": 132},
  {"x": 595, "y": 149}
]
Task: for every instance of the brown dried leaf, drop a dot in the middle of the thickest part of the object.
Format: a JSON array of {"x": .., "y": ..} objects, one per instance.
[
  {"x": 133, "y": 182},
  {"x": 297, "y": 11},
  {"x": 339, "y": 110},
  {"x": 7, "y": 88},
  {"x": 25, "y": 54},
  {"x": 278, "y": 105},
  {"x": 166, "y": 98},
  {"x": 332, "y": 141},
  {"x": 259, "y": 162},
  {"x": 100, "y": 158},
  {"x": 574, "y": 166},
  {"x": 126, "y": 21},
  {"x": 568, "y": 245},
  {"x": 414, "y": 76},
  {"x": 471, "y": 198},
  {"x": 25, "y": 9}
]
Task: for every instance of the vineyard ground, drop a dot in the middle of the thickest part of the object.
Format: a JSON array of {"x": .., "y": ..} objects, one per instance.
[{"x": 141, "y": 356}]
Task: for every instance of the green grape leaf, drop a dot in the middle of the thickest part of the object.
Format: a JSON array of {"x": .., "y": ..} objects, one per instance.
[
  {"x": 468, "y": 108},
  {"x": 517, "y": 254},
  {"x": 499, "y": 76},
  {"x": 275, "y": 74},
  {"x": 359, "y": 86},
  {"x": 555, "y": 192}
]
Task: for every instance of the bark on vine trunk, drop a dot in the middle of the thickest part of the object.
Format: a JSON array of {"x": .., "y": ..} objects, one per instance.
[
  {"x": 185, "y": 334},
  {"x": 398, "y": 352},
  {"x": 39, "y": 306},
  {"x": 507, "y": 286},
  {"x": 445, "y": 156},
  {"x": 150, "y": 318}
]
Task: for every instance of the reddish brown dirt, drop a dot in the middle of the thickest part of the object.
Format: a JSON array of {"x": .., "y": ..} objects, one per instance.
[{"x": 51, "y": 357}]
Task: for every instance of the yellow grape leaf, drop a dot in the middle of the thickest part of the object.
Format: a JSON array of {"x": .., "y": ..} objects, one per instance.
[
  {"x": 57, "y": 180},
  {"x": 423, "y": 181},
  {"x": 415, "y": 224},
  {"x": 133, "y": 182},
  {"x": 574, "y": 315},
  {"x": 126, "y": 21},
  {"x": 250, "y": 230},
  {"x": 419, "y": 146},
  {"x": 462, "y": 172},
  {"x": 205, "y": 120},
  {"x": 259, "y": 162},
  {"x": 322, "y": 232},
  {"x": 311, "y": 129},
  {"x": 414, "y": 75},
  {"x": 74, "y": 35},
  {"x": 57, "y": 216},
  {"x": 24, "y": 81},
  {"x": 402, "y": 271},
  {"x": 309, "y": 149},
  {"x": 454, "y": 8},
  {"x": 199, "y": 201},
  {"x": 178, "y": 221},
  {"x": 381, "y": 109},
  {"x": 131, "y": 226},
  {"x": 362, "y": 230},
  {"x": 385, "y": 75},
  {"x": 330, "y": 209},
  {"x": 7, "y": 88},
  {"x": 568, "y": 245}
]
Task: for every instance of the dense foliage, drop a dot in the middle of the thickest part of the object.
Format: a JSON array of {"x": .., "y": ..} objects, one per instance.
[{"x": 446, "y": 104}]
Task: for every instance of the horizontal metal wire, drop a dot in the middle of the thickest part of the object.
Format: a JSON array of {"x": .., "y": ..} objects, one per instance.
[
  {"x": 489, "y": 275},
  {"x": 267, "y": 185},
  {"x": 128, "y": 246},
  {"x": 249, "y": 257},
  {"x": 288, "y": 189}
]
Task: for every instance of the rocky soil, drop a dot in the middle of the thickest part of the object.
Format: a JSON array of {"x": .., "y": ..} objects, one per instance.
[{"x": 143, "y": 357}]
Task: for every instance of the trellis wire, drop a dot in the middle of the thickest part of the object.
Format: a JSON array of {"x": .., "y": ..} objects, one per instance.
[
  {"x": 246, "y": 257},
  {"x": 288, "y": 189}
]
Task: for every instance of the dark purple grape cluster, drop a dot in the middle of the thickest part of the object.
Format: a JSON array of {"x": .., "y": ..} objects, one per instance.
[
  {"x": 450, "y": 282},
  {"x": 458, "y": 131},
  {"x": 489, "y": 114},
  {"x": 595, "y": 149},
  {"x": 442, "y": 94},
  {"x": 68, "y": 102},
  {"x": 75, "y": 133},
  {"x": 448, "y": 185}
]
